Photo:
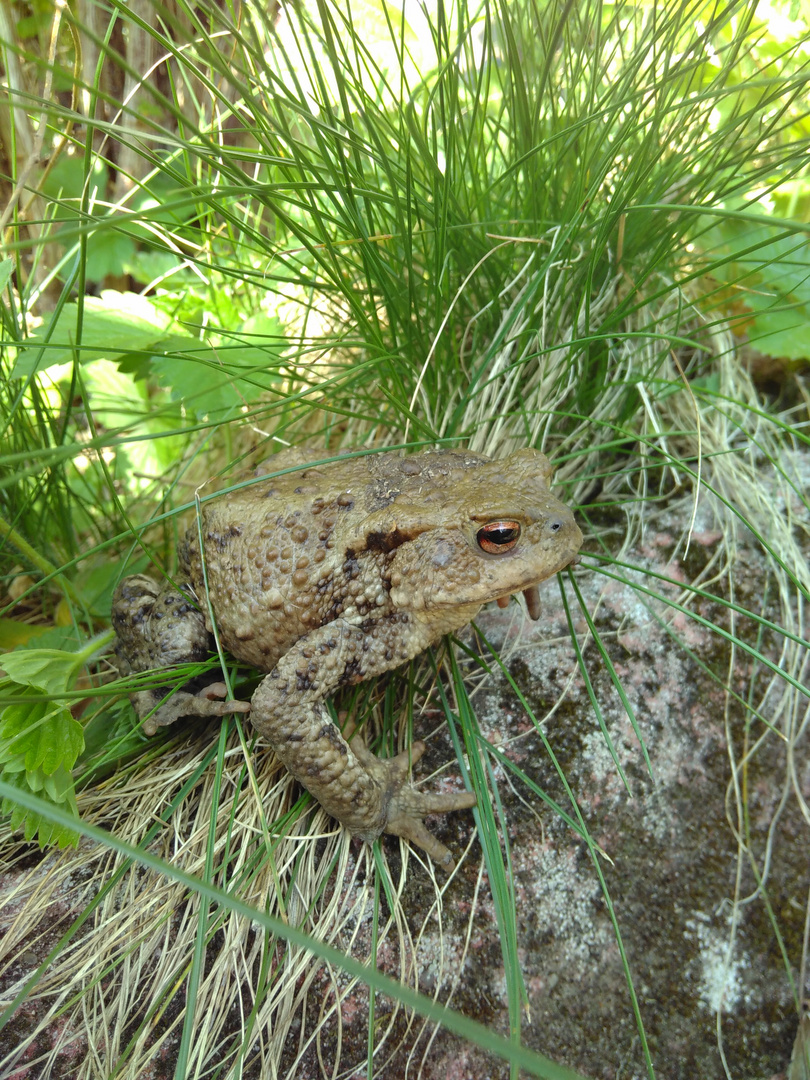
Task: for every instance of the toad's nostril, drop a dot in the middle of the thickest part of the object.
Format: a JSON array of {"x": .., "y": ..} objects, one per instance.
[{"x": 555, "y": 524}]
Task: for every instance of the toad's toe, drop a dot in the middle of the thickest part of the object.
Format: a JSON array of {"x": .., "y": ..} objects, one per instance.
[{"x": 406, "y": 810}]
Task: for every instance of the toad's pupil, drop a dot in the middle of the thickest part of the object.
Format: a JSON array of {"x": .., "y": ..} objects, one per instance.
[
  {"x": 498, "y": 536},
  {"x": 502, "y": 536}
]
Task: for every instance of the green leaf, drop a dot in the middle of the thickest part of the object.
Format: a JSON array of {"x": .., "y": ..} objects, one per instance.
[
  {"x": 14, "y": 633},
  {"x": 15, "y": 763},
  {"x": 107, "y": 249},
  {"x": 65, "y": 182},
  {"x": 32, "y": 823},
  {"x": 51, "y": 670},
  {"x": 218, "y": 381},
  {"x": 116, "y": 398},
  {"x": 39, "y": 744},
  {"x": 35, "y": 779},
  {"x": 6, "y": 268},
  {"x": 63, "y": 638},
  {"x": 43, "y": 731},
  {"x": 58, "y": 786},
  {"x": 107, "y": 253},
  {"x": 770, "y": 278},
  {"x": 114, "y": 324}
]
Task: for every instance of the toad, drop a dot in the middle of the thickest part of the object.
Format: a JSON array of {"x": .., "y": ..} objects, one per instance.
[{"x": 333, "y": 573}]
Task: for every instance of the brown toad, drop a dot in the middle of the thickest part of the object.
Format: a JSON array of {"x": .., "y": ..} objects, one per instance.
[{"x": 333, "y": 573}]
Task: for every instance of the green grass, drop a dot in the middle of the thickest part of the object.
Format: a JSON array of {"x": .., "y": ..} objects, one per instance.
[{"x": 553, "y": 225}]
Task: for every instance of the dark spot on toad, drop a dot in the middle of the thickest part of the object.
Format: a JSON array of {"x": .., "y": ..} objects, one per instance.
[
  {"x": 221, "y": 540},
  {"x": 302, "y": 681},
  {"x": 353, "y": 672},
  {"x": 389, "y": 541},
  {"x": 334, "y": 612}
]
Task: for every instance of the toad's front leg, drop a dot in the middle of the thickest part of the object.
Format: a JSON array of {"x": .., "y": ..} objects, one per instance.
[{"x": 366, "y": 794}]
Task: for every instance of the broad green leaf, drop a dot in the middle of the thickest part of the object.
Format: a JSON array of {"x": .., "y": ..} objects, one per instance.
[
  {"x": 51, "y": 670},
  {"x": 783, "y": 333},
  {"x": 39, "y": 744},
  {"x": 14, "y": 633},
  {"x": 220, "y": 380},
  {"x": 115, "y": 397},
  {"x": 43, "y": 731},
  {"x": 58, "y": 786},
  {"x": 114, "y": 324},
  {"x": 35, "y": 779},
  {"x": 33, "y": 824},
  {"x": 62, "y": 638},
  {"x": 57, "y": 790},
  {"x": 65, "y": 181},
  {"x": 770, "y": 278},
  {"x": 107, "y": 253},
  {"x": 15, "y": 762}
]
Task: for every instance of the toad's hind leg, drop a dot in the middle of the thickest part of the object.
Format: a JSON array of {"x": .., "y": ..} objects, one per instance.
[
  {"x": 368, "y": 795},
  {"x": 158, "y": 626}
]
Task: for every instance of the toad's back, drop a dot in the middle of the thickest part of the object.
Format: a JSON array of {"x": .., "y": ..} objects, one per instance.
[{"x": 363, "y": 538}]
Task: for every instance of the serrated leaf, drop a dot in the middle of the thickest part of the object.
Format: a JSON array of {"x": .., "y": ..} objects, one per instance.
[
  {"x": 59, "y": 785},
  {"x": 770, "y": 278},
  {"x": 14, "y": 764},
  {"x": 220, "y": 380},
  {"x": 107, "y": 251},
  {"x": 51, "y": 670},
  {"x": 114, "y": 324},
  {"x": 43, "y": 732},
  {"x": 34, "y": 824},
  {"x": 115, "y": 397},
  {"x": 784, "y": 333},
  {"x": 18, "y": 717},
  {"x": 31, "y": 825},
  {"x": 35, "y": 779}
]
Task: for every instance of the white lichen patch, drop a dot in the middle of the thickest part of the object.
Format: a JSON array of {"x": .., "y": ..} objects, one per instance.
[
  {"x": 565, "y": 903},
  {"x": 720, "y": 974}
]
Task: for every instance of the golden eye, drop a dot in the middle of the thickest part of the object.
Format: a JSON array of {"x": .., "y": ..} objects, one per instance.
[{"x": 498, "y": 536}]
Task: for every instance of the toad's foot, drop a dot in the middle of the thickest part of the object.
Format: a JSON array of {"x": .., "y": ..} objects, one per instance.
[
  {"x": 156, "y": 710},
  {"x": 405, "y": 804}
]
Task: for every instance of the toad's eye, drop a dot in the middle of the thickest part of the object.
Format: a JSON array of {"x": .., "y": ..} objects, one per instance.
[{"x": 498, "y": 536}]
